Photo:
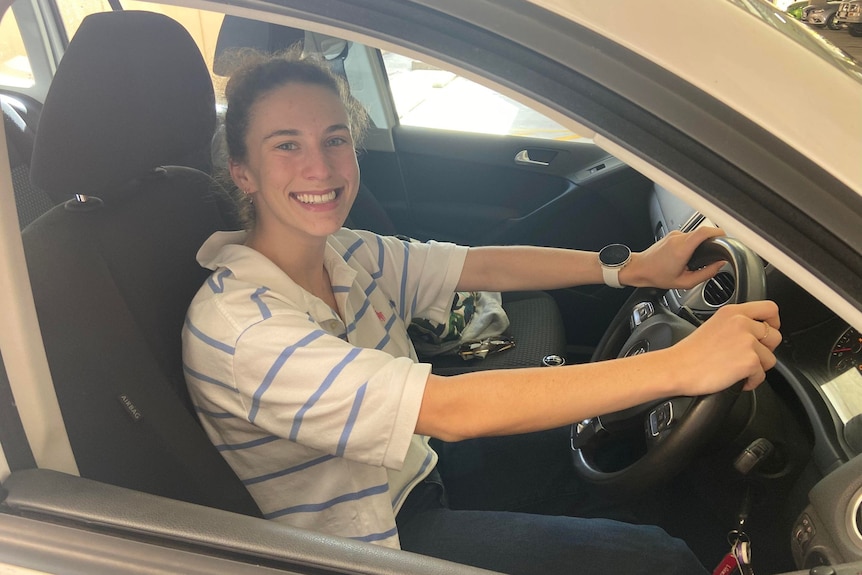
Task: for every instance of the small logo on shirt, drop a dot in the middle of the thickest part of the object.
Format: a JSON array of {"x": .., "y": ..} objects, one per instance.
[{"x": 381, "y": 317}]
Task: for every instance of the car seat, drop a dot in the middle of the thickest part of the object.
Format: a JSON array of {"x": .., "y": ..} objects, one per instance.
[{"x": 113, "y": 265}]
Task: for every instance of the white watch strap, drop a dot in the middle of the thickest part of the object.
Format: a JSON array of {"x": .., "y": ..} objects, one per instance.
[{"x": 612, "y": 276}]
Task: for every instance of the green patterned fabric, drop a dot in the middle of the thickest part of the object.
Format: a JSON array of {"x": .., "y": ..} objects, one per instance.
[
  {"x": 433, "y": 333},
  {"x": 475, "y": 317}
]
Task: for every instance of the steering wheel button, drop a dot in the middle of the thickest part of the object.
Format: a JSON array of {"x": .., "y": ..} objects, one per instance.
[
  {"x": 641, "y": 312},
  {"x": 660, "y": 418}
]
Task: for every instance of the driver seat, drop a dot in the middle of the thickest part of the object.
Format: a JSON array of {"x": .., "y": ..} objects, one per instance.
[{"x": 113, "y": 264}]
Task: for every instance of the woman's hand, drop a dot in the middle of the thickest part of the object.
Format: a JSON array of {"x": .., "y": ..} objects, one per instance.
[
  {"x": 664, "y": 264},
  {"x": 735, "y": 344}
]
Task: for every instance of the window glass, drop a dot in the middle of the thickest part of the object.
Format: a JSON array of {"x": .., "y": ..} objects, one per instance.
[
  {"x": 15, "y": 70},
  {"x": 72, "y": 13},
  {"x": 427, "y": 96}
]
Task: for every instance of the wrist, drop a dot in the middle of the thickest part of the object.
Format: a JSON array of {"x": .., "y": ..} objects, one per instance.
[
  {"x": 630, "y": 274},
  {"x": 672, "y": 370}
]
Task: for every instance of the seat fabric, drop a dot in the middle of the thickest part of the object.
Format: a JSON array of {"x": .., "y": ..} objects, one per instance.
[{"x": 112, "y": 278}]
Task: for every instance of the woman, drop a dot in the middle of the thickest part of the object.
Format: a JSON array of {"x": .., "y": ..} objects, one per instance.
[{"x": 299, "y": 363}]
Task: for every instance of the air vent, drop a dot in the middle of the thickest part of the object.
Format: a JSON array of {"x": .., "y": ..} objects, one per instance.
[{"x": 719, "y": 289}]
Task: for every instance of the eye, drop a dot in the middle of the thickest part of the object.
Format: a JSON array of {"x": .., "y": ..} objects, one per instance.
[
  {"x": 336, "y": 141},
  {"x": 287, "y": 146}
]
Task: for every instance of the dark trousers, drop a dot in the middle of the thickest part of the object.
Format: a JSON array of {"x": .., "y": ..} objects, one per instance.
[{"x": 527, "y": 495}]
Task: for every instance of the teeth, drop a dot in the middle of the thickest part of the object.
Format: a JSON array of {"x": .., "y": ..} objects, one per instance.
[{"x": 315, "y": 198}]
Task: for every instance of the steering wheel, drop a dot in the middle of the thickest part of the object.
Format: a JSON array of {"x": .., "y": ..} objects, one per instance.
[{"x": 675, "y": 429}]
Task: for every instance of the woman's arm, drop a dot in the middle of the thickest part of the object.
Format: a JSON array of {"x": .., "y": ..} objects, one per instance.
[
  {"x": 735, "y": 344},
  {"x": 516, "y": 268}
]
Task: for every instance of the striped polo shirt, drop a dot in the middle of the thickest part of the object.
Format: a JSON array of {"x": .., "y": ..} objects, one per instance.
[{"x": 316, "y": 415}]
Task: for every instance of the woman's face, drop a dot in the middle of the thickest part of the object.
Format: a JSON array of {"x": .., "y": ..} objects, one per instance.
[{"x": 301, "y": 166}]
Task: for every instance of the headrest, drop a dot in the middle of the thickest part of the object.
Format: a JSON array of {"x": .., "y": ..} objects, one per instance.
[{"x": 131, "y": 93}]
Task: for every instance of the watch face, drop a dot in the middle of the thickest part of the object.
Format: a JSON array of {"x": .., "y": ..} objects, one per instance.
[{"x": 614, "y": 255}]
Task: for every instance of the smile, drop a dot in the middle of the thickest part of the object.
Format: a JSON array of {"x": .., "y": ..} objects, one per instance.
[{"x": 316, "y": 198}]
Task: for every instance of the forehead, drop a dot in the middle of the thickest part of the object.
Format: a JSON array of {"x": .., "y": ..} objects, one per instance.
[{"x": 299, "y": 103}]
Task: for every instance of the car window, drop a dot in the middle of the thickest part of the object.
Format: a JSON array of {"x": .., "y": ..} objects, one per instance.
[
  {"x": 426, "y": 96},
  {"x": 15, "y": 69},
  {"x": 72, "y": 13},
  {"x": 423, "y": 95}
]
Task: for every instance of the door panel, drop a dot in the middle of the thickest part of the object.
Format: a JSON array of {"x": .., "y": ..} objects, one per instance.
[{"x": 469, "y": 188}]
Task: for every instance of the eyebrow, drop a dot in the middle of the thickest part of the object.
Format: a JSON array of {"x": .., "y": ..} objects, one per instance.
[{"x": 293, "y": 132}]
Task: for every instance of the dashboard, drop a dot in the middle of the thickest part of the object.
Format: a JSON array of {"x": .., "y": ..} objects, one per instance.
[{"x": 820, "y": 365}]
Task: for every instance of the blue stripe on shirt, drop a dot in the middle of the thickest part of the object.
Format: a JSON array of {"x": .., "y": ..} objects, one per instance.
[
  {"x": 317, "y": 507},
  {"x": 356, "y": 245},
  {"x": 216, "y": 280},
  {"x": 377, "y": 536},
  {"x": 404, "y": 282},
  {"x": 287, "y": 471},
  {"x": 214, "y": 414},
  {"x": 420, "y": 473},
  {"x": 212, "y": 342},
  {"x": 247, "y": 444},
  {"x": 297, "y": 420},
  {"x": 380, "y": 259},
  {"x": 359, "y": 314},
  {"x": 275, "y": 368},
  {"x": 382, "y": 343},
  {"x": 207, "y": 379},
  {"x": 264, "y": 309},
  {"x": 351, "y": 420}
]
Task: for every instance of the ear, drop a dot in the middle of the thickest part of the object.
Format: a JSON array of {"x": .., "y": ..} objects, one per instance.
[{"x": 241, "y": 177}]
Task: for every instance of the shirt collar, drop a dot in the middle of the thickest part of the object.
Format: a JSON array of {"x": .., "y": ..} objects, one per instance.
[{"x": 228, "y": 250}]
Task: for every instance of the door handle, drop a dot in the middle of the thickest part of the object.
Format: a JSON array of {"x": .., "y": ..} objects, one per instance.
[{"x": 523, "y": 158}]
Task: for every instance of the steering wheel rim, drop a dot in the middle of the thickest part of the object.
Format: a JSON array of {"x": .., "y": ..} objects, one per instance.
[{"x": 670, "y": 451}]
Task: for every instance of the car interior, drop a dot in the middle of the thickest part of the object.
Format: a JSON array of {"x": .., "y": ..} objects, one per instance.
[{"x": 111, "y": 246}]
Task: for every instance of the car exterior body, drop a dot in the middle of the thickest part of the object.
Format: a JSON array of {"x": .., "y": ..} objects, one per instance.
[
  {"x": 824, "y": 16},
  {"x": 650, "y": 137},
  {"x": 850, "y": 14}
]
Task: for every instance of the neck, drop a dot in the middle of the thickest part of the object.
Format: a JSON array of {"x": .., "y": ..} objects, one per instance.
[{"x": 300, "y": 257}]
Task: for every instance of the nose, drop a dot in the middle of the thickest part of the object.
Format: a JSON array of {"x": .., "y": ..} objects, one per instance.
[{"x": 318, "y": 164}]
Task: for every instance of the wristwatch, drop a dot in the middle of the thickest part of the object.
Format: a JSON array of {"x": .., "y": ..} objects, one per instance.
[{"x": 613, "y": 258}]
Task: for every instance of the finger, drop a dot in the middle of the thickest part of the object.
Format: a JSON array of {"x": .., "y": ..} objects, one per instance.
[
  {"x": 764, "y": 354},
  {"x": 702, "y": 234},
  {"x": 704, "y": 273},
  {"x": 761, "y": 310},
  {"x": 773, "y": 340},
  {"x": 754, "y": 380},
  {"x": 761, "y": 330}
]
